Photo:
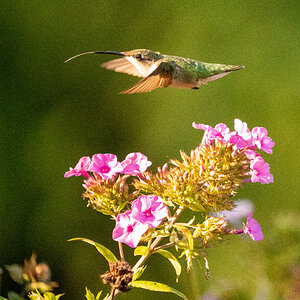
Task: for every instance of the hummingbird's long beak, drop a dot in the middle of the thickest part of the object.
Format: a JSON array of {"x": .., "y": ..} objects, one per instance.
[{"x": 97, "y": 52}]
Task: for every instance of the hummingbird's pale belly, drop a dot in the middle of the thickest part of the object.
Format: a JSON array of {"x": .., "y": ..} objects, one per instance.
[
  {"x": 183, "y": 85},
  {"x": 195, "y": 84}
]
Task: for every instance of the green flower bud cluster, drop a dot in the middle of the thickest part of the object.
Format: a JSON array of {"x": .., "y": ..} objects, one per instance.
[
  {"x": 205, "y": 181},
  {"x": 211, "y": 229},
  {"x": 108, "y": 196}
]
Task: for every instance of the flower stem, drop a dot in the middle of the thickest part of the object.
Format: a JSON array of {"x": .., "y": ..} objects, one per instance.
[
  {"x": 234, "y": 231},
  {"x": 164, "y": 246},
  {"x": 112, "y": 294},
  {"x": 121, "y": 251}
]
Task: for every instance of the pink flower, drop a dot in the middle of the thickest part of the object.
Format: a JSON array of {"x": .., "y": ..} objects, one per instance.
[
  {"x": 241, "y": 137},
  {"x": 202, "y": 126},
  {"x": 80, "y": 169},
  {"x": 135, "y": 163},
  {"x": 261, "y": 139},
  {"x": 222, "y": 129},
  {"x": 242, "y": 130},
  {"x": 105, "y": 165},
  {"x": 128, "y": 230},
  {"x": 253, "y": 228},
  {"x": 149, "y": 210},
  {"x": 260, "y": 171},
  {"x": 210, "y": 134},
  {"x": 251, "y": 154}
]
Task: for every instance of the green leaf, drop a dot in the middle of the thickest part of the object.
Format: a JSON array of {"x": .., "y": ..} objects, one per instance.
[
  {"x": 141, "y": 250},
  {"x": 138, "y": 273},
  {"x": 16, "y": 273},
  {"x": 191, "y": 221},
  {"x": 90, "y": 296},
  {"x": 47, "y": 296},
  {"x": 35, "y": 295},
  {"x": 1, "y": 298},
  {"x": 51, "y": 296},
  {"x": 14, "y": 296},
  {"x": 157, "y": 287},
  {"x": 188, "y": 235},
  {"x": 98, "y": 295},
  {"x": 195, "y": 206},
  {"x": 108, "y": 255},
  {"x": 173, "y": 260}
]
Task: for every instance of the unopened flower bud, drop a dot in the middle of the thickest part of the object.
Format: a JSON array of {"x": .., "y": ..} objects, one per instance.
[{"x": 165, "y": 168}]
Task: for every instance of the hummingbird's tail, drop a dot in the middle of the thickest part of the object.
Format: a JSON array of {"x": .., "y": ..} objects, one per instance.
[
  {"x": 229, "y": 68},
  {"x": 216, "y": 71}
]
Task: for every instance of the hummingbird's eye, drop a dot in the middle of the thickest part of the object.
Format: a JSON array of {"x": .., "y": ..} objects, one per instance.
[{"x": 139, "y": 56}]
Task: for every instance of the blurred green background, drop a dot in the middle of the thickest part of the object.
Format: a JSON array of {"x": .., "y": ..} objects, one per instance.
[{"x": 54, "y": 113}]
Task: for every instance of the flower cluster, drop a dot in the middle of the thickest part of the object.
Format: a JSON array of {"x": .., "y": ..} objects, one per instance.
[
  {"x": 145, "y": 211},
  {"x": 146, "y": 205},
  {"x": 248, "y": 141},
  {"x": 107, "y": 165},
  {"x": 205, "y": 181},
  {"x": 107, "y": 192}
]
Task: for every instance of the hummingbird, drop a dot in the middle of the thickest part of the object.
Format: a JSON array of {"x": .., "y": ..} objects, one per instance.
[{"x": 160, "y": 70}]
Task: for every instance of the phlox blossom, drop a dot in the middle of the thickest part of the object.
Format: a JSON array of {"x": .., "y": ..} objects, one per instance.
[
  {"x": 242, "y": 129},
  {"x": 219, "y": 132},
  {"x": 80, "y": 169},
  {"x": 128, "y": 230},
  {"x": 253, "y": 228},
  {"x": 135, "y": 163},
  {"x": 251, "y": 154},
  {"x": 261, "y": 139},
  {"x": 149, "y": 210},
  {"x": 260, "y": 171},
  {"x": 241, "y": 137},
  {"x": 106, "y": 165}
]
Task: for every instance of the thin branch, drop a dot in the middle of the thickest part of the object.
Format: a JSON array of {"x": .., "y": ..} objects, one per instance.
[
  {"x": 164, "y": 246},
  {"x": 112, "y": 294},
  {"x": 121, "y": 251}
]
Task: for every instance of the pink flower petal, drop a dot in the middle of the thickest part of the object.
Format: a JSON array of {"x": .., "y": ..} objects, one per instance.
[
  {"x": 253, "y": 228},
  {"x": 260, "y": 171},
  {"x": 128, "y": 230},
  {"x": 261, "y": 139},
  {"x": 81, "y": 168},
  {"x": 106, "y": 165},
  {"x": 135, "y": 163},
  {"x": 219, "y": 132},
  {"x": 149, "y": 210},
  {"x": 242, "y": 130}
]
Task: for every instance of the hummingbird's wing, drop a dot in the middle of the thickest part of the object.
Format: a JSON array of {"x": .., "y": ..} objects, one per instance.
[
  {"x": 160, "y": 77},
  {"x": 122, "y": 65}
]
